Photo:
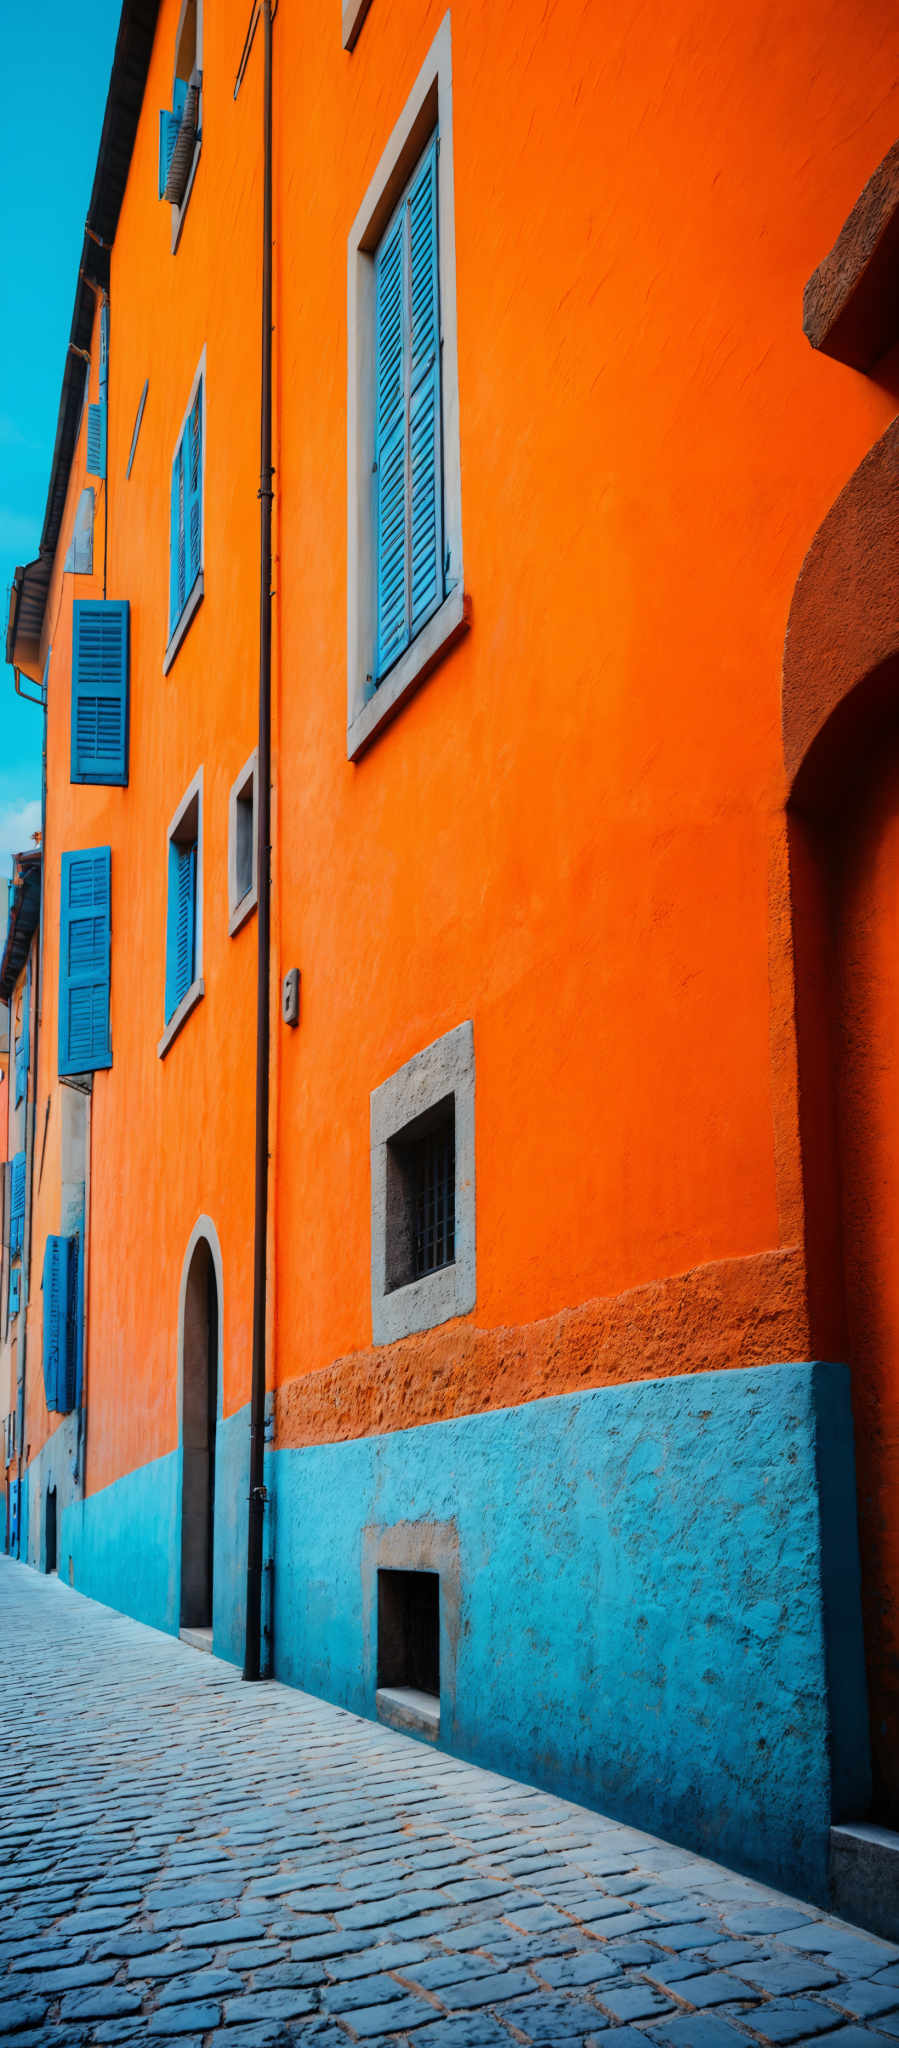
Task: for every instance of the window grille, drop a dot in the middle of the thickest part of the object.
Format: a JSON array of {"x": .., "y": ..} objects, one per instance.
[{"x": 434, "y": 1199}]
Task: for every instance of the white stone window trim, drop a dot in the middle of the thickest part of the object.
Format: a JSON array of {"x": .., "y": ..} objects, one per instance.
[
  {"x": 354, "y": 13},
  {"x": 197, "y": 989},
  {"x": 241, "y": 907},
  {"x": 79, "y": 560},
  {"x": 429, "y": 106},
  {"x": 445, "y": 1068},
  {"x": 194, "y": 600}
]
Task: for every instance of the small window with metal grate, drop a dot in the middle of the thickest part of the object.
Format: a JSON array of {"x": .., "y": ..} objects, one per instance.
[
  {"x": 421, "y": 1196},
  {"x": 434, "y": 1199}
]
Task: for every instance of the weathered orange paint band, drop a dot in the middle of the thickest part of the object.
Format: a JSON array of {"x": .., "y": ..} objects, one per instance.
[{"x": 734, "y": 1312}]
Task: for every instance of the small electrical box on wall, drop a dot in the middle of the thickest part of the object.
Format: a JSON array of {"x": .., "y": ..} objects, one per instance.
[{"x": 290, "y": 996}]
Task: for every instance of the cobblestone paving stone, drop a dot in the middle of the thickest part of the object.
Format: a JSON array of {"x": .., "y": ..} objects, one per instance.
[{"x": 192, "y": 1862}]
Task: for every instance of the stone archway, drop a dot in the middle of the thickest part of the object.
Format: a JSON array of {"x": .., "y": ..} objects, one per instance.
[
  {"x": 841, "y": 751},
  {"x": 199, "y": 1386}
]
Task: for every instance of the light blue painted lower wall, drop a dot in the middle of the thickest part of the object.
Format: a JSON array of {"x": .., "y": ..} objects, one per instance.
[
  {"x": 125, "y": 1541},
  {"x": 650, "y": 1601},
  {"x": 647, "y": 1613}
]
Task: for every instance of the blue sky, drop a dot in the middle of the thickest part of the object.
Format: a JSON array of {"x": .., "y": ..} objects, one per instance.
[{"x": 56, "y": 63}]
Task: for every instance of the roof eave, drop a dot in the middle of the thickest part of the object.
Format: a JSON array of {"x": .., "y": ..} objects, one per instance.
[{"x": 24, "y": 911}]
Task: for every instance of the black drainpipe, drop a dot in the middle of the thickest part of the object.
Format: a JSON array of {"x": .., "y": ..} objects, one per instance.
[{"x": 251, "y": 1668}]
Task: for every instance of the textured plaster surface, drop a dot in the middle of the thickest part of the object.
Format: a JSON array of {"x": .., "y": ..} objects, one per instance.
[
  {"x": 736, "y": 1312},
  {"x": 213, "y": 1863},
  {"x": 851, "y": 303},
  {"x": 125, "y": 1540},
  {"x": 645, "y": 1604}
]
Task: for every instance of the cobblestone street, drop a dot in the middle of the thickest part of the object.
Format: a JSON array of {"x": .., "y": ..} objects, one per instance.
[{"x": 190, "y": 1859}]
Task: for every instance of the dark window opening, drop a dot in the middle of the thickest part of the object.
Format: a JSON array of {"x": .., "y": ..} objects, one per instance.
[
  {"x": 51, "y": 1530},
  {"x": 244, "y": 842},
  {"x": 409, "y": 1630},
  {"x": 421, "y": 1196}
]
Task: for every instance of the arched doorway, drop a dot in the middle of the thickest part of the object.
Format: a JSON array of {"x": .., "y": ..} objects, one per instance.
[
  {"x": 200, "y": 1335},
  {"x": 841, "y": 746},
  {"x": 865, "y": 900}
]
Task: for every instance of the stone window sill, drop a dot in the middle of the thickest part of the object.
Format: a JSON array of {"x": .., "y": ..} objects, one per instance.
[
  {"x": 354, "y": 13},
  {"x": 178, "y": 1017},
  {"x": 242, "y": 911},
  {"x": 191, "y": 607},
  {"x": 429, "y": 648},
  {"x": 412, "y": 1712}
]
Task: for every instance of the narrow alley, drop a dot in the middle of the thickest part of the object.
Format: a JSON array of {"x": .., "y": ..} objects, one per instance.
[{"x": 188, "y": 1859}]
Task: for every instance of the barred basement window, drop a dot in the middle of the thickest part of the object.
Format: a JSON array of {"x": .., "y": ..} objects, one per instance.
[
  {"x": 423, "y": 1189},
  {"x": 421, "y": 1196}
]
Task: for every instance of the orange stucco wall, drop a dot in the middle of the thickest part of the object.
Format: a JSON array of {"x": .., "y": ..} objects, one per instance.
[{"x": 574, "y": 833}]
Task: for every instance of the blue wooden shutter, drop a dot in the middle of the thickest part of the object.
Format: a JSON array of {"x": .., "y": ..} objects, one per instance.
[
  {"x": 50, "y": 1321},
  {"x": 77, "y": 1300},
  {"x": 169, "y": 124},
  {"x": 13, "y": 1513},
  {"x": 100, "y": 691},
  {"x": 23, "y": 1042},
  {"x": 181, "y": 932},
  {"x": 15, "y": 1277},
  {"x": 84, "y": 947},
  {"x": 58, "y": 1326},
  {"x": 65, "y": 1388},
  {"x": 186, "y": 924},
  {"x": 177, "y": 556},
  {"x": 390, "y": 445},
  {"x": 425, "y": 433},
  {"x": 96, "y": 439},
  {"x": 193, "y": 459},
  {"x": 408, "y": 419},
  {"x": 17, "y": 1203}
]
